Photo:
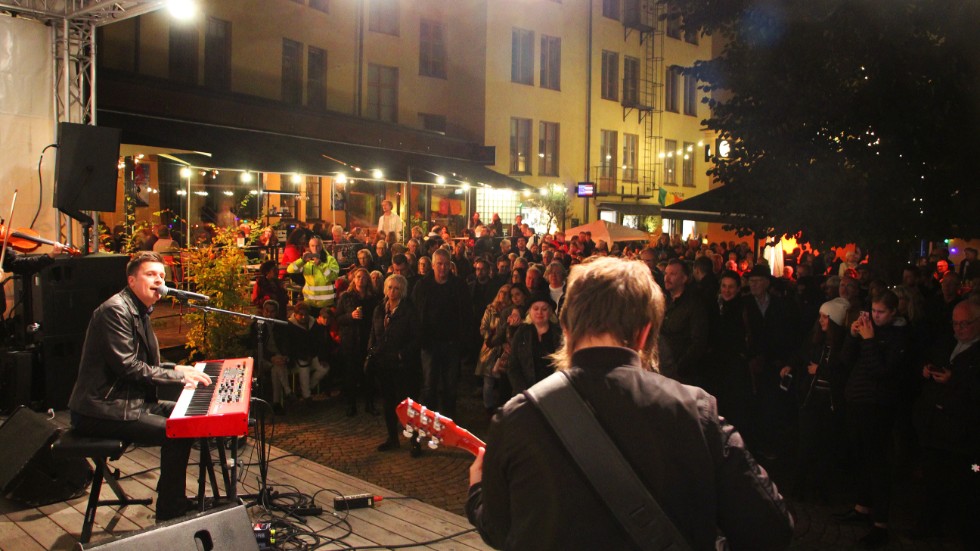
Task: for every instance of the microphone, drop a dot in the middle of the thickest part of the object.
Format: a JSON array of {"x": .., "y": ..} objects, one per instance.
[{"x": 181, "y": 295}]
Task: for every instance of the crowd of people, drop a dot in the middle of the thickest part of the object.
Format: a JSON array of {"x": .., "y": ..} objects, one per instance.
[{"x": 851, "y": 372}]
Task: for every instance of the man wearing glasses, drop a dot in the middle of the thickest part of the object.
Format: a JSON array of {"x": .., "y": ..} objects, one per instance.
[{"x": 947, "y": 421}]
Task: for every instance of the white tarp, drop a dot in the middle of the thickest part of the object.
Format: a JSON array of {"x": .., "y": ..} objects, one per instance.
[{"x": 27, "y": 123}]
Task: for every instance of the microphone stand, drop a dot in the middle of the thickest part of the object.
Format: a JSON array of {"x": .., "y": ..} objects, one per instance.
[{"x": 260, "y": 321}]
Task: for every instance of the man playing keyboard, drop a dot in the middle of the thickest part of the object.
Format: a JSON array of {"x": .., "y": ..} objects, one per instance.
[{"x": 115, "y": 394}]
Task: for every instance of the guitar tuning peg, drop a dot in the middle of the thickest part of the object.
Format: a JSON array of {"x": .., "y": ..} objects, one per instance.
[
  {"x": 408, "y": 432},
  {"x": 433, "y": 443}
]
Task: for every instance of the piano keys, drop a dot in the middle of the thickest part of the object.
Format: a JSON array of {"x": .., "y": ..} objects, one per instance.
[{"x": 219, "y": 409}]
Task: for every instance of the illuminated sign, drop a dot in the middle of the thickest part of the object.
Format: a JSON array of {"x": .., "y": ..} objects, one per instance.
[{"x": 586, "y": 189}]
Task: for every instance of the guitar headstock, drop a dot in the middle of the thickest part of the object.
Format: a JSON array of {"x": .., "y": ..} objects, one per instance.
[{"x": 439, "y": 429}]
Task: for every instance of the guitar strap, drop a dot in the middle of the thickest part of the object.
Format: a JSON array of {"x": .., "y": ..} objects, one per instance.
[{"x": 604, "y": 465}]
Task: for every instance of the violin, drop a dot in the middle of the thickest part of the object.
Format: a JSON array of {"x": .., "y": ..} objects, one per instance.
[{"x": 25, "y": 240}]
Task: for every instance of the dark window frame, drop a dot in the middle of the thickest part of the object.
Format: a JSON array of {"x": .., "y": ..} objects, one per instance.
[
  {"x": 292, "y": 72},
  {"x": 432, "y": 49},
  {"x": 549, "y": 135},
  {"x": 550, "y": 73},
  {"x": 610, "y": 75},
  {"x": 522, "y": 56},
  {"x": 520, "y": 135},
  {"x": 316, "y": 88}
]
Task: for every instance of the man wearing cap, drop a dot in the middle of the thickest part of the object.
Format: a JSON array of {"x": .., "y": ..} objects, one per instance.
[
  {"x": 527, "y": 493},
  {"x": 772, "y": 342}
]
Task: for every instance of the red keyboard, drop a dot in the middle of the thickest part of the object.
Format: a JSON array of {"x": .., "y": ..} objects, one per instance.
[{"x": 219, "y": 409}]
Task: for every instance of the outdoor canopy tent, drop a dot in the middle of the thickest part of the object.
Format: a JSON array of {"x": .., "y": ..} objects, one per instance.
[{"x": 609, "y": 232}]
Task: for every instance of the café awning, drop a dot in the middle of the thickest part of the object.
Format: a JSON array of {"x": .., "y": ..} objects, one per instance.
[
  {"x": 717, "y": 205},
  {"x": 236, "y": 148}
]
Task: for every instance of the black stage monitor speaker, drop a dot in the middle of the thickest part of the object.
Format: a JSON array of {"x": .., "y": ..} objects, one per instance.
[
  {"x": 28, "y": 473},
  {"x": 16, "y": 373},
  {"x": 223, "y": 529},
  {"x": 87, "y": 168}
]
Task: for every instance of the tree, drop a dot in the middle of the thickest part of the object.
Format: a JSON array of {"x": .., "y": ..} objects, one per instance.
[
  {"x": 848, "y": 120},
  {"x": 554, "y": 200}
]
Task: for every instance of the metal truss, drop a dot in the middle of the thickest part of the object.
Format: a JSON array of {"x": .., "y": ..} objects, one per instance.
[{"x": 74, "y": 23}]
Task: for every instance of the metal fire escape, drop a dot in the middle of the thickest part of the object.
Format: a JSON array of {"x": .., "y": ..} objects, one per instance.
[{"x": 646, "y": 18}]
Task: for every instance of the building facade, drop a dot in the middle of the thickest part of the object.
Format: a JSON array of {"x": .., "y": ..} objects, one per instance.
[{"x": 546, "y": 93}]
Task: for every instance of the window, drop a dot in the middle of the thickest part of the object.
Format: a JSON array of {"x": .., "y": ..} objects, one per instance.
[
  {"x": 610, "y": 9},
  {"x": 321, "y": 5},
  {"x": 217, "y": 55},
  {"x": 522, "y": 57},
  {"x": 631, "y": 145},
  {"x": 550, "y": 62},
  {"x": 520, "y": 146},
  {"x": 631, "y": 81},
  {"x": 292, "y": 72},
  {"x": 670, "y": 174},
  {"x": 610, "y": 75},
  {"x": 382, "y": 93},
  {"x": 432, "y": 49},
  {"x": 688, "y": 165},
  {"x": 383, "y": 17},
  {"x": 433, "y": 123},
  {"x": 672, "y": 89},
  {"x": 314, "y": 197},
  {"x": 548, "y": 148},
  {"x": 316, "y": 80},
  {"x": 690, "y": 95},
  {"x": 183, "y": 53},
  {"x": 607, "y": 160},
  {"x": 674, "y": 25}
]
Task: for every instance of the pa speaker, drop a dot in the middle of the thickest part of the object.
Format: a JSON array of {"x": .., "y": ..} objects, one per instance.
[
  {"x": 87, "y": 168},
  {"x": 226, "y": 528},
  {"x": 28, "y": 472},
  {"x": 16, "y": 372},
  {"x": 66, "y": 292}
]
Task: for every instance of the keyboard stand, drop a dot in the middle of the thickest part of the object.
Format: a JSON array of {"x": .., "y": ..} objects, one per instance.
[{"x": 205, "y": 473}]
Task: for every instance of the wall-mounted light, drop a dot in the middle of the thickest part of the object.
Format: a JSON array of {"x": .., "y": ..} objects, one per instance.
[
  {"x": 377, "y": 174},
  {"x": 185, "y": 172},
  {"x": 440, "y": 180},
  {"x": 182, "y": 10},
  {"x": 246, "y": 177},
  {"x": 341, "y": 178},
  {"x": 296, "y": 179}
]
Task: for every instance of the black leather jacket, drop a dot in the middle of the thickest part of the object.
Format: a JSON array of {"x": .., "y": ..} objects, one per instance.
[{"x": 120, "y": 363}]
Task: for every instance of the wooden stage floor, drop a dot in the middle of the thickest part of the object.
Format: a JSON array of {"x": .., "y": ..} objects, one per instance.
[{"x": 392, "y": 522}]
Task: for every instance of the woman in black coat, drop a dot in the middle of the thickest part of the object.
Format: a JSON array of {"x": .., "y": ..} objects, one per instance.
[
  {"x": 533, "y": 343},
  {"x": 354, "y": 311},
  {"x": 394, "y": 347}
]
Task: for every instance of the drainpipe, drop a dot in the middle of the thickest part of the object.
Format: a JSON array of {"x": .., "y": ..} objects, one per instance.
[
  {"x": 588, "y": 109},
  {"x": 358, "y": 58}
]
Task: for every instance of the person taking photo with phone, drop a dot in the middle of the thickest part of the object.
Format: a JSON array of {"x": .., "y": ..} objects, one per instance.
[{"x": 877, "y": 351}]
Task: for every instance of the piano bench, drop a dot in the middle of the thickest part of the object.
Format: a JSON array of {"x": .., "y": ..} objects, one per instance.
[{"x": 98, "y": 451}]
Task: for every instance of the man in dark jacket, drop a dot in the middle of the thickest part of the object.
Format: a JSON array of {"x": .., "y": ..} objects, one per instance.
[
  {"x": 444, "y": 307},
  {"x": 947, "y": 417},
  {"x": 684, "y": 334},
  {"x": 877, "y": 351},
  {"x": 525, "y": 492},
  {"x": 114, "y": 395}
]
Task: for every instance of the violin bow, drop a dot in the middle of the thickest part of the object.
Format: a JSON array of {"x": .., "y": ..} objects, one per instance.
[{"x": 6, "y": 234}]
